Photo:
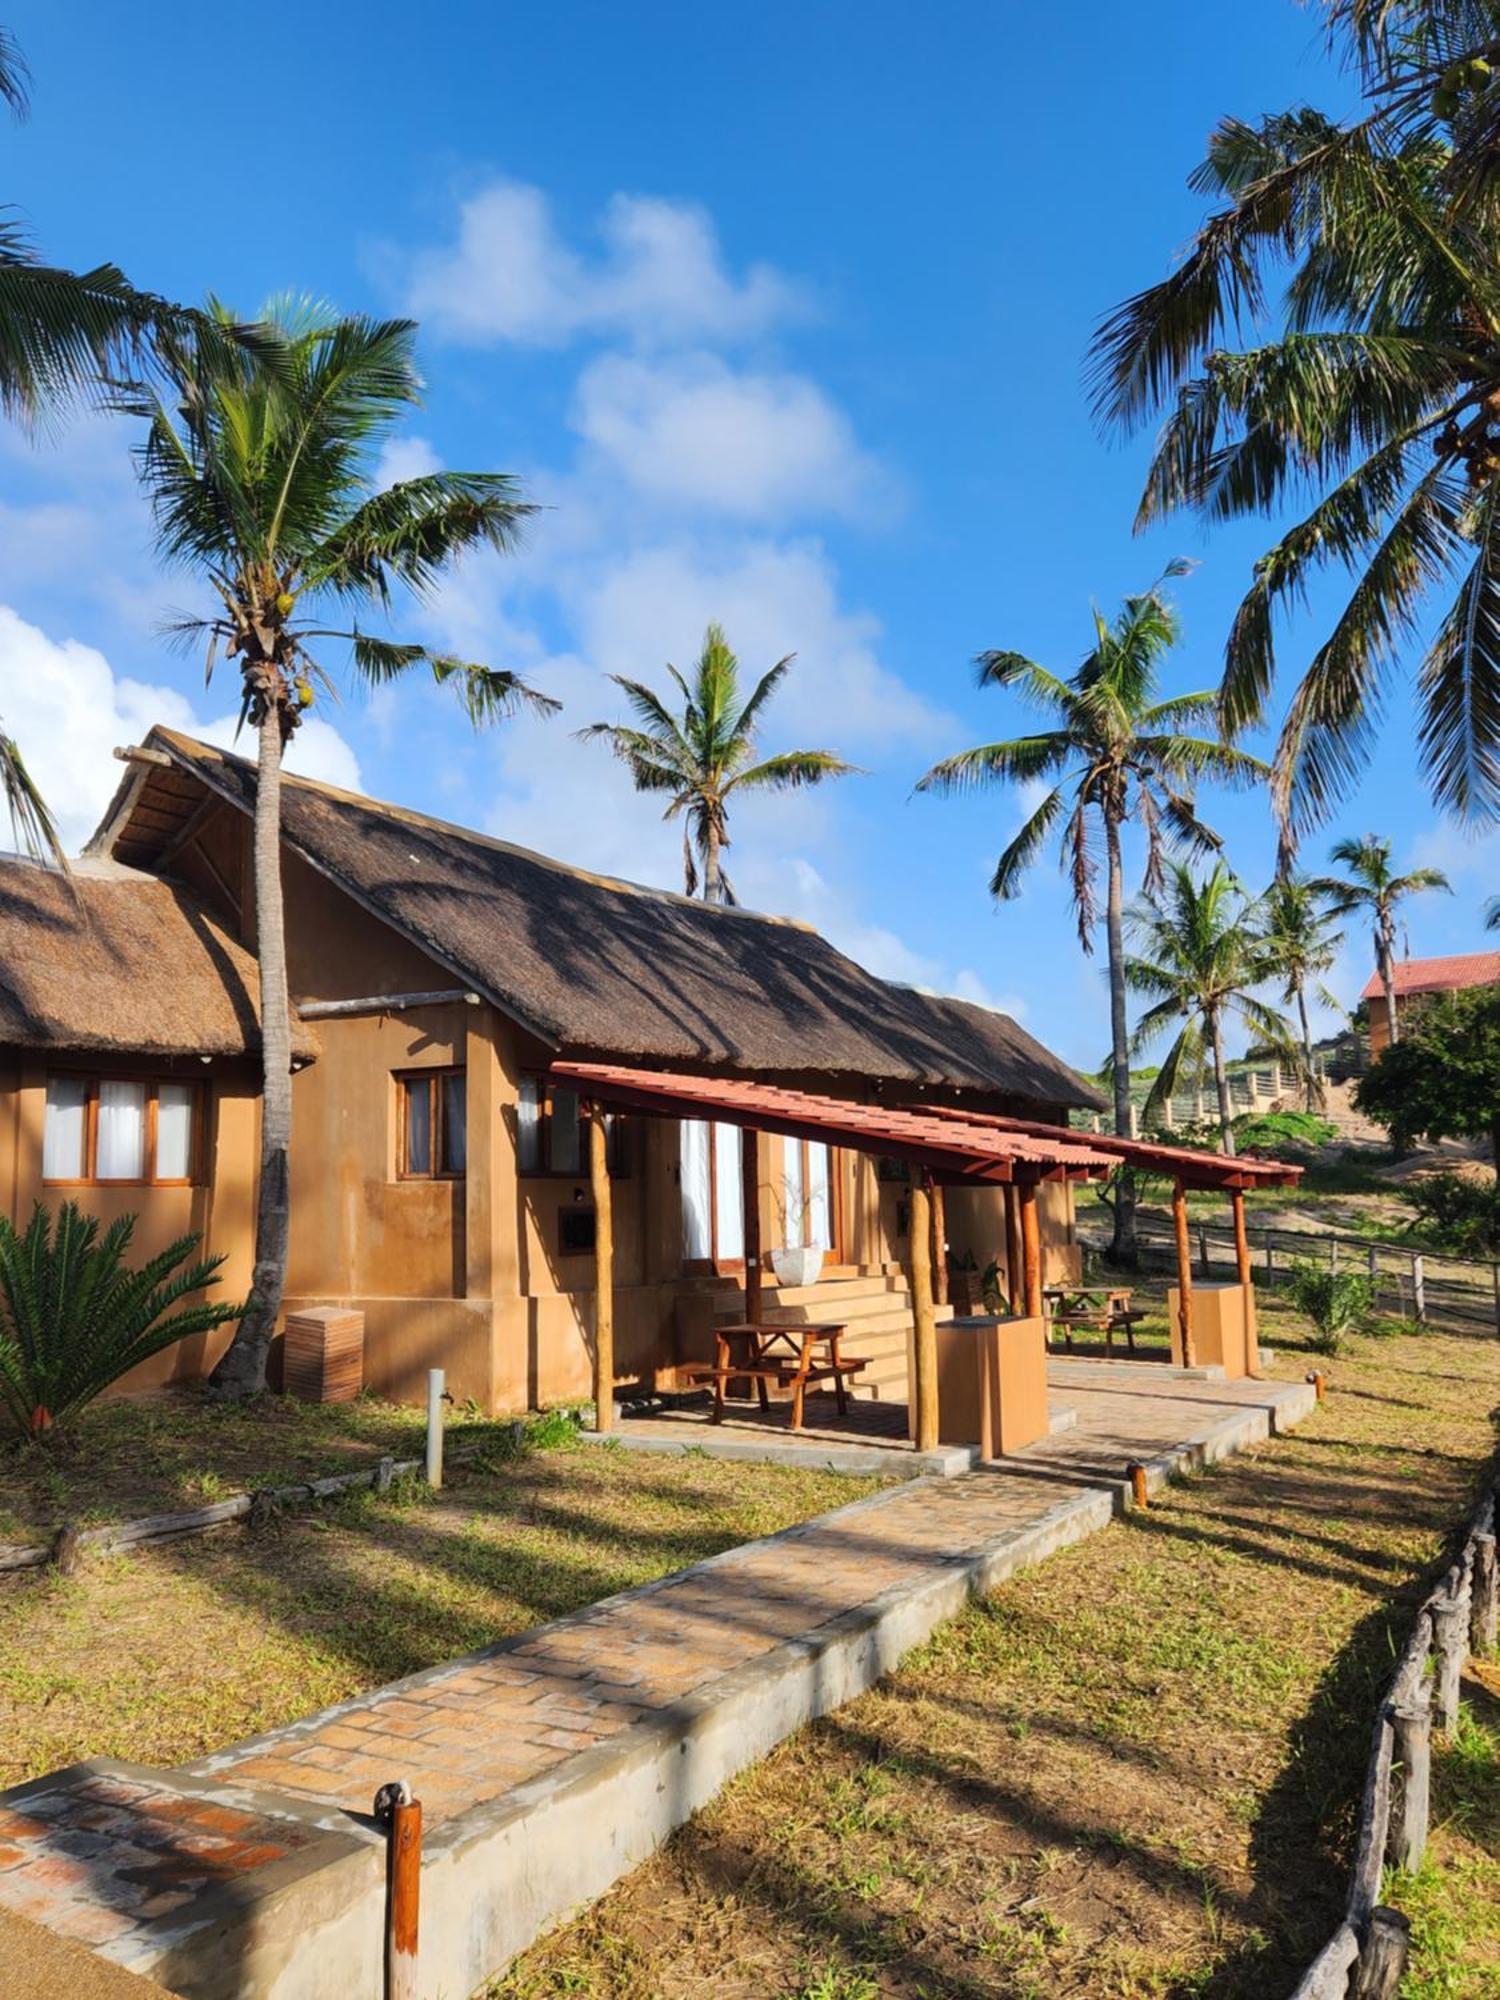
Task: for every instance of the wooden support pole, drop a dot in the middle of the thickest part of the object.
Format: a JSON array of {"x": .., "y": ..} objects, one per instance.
[
  {"x": 1184, "y": 1272},
  {"x": 1486, "y": 1597},
  {"x": 750, "y": 1195},
  {"x": 924, "y": 1384},
  {"x": 1243, "y": 1275},
  {"x": 1013, "y": 1286},
  {"x": 1418, "y": 1289},
  {"x": 1382, "y": 1955},
  {"x": 401, "y": 1815},
  {"x": 604, "y": 1270},
  {"x": 939, "y": 1245},
  {"x": 1031, "y": 1250},
  {"x": 1413, "y": 1720},
  {"x": 1450, "y": 1642}
]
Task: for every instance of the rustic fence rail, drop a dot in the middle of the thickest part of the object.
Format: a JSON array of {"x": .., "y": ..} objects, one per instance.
[
  {"x": 1366, "y": 1956},
  {"x": 1458, "y": 1294}
]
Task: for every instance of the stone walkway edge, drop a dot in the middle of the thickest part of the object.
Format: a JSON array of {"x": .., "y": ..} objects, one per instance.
[{"x": 295, "y": 1909}]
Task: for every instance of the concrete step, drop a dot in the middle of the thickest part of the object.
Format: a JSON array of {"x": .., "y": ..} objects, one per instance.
[{"x": 833, "y": 1301}]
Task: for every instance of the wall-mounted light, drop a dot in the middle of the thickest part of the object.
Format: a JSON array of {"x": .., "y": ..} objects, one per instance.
[{"x": 579, "y": 1195}]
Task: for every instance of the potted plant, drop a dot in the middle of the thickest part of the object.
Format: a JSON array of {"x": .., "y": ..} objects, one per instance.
[
  {"x": 963, "y": 1284},
  {"x": 797, "y": 1263}
]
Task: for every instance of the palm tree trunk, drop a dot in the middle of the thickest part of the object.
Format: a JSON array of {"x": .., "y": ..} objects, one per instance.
[
  {"x": 1386, "y": 950},
  {"x": 713, "y": 880},
  {"x": 1124, "y": 1248},
  {"x": 1310, "y": 1091},
  {"x": 242, "y": 1372},
  {"x": 1221, "y": 1085}
]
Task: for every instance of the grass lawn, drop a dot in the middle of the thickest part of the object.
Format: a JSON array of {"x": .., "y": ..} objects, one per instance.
[
  {"x": 1131, "y": 1773},
  {"x": 160, "y": 1654}
]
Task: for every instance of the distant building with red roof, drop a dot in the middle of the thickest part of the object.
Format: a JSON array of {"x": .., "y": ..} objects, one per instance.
[{"x": 1415, "y": 976}]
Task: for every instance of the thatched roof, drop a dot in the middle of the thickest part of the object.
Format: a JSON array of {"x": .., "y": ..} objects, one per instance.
[
  {"x": 113, "y": 960},
  {"x": 597, "y": 967}
]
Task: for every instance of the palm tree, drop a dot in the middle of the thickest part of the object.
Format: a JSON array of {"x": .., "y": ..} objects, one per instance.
[
  {"x": 258, "y": 472},
  {"x": 1117, "y": 753},
  {"x": 704, "y": 755},
  {"x": 1302, "y": 941},
  {"x": 1201, "y": 952},
  {"x": 1369, "y": 883},
  {"x": 61, "y": 334},
  {"x": 1377, "y": 247}
]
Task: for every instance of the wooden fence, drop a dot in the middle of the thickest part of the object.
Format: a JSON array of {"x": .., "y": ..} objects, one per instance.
[
  {"x": 1457, "y": 1294},
  {"x": 1366, "y": 1956}
]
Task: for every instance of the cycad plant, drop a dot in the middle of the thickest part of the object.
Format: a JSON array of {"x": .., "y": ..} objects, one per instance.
[
  {"x": 74, "y": 1318},
  {"x": 1302, "y": 940},
  {"x": 704, "y": 754},
  {"x": 259, "y": 471},
  {"x": 1115, "y": 752},
  {"x": 1372, "y": 249},
  {"x": 1371, "y": 885},
  {"x": 1200, "y": 953}
]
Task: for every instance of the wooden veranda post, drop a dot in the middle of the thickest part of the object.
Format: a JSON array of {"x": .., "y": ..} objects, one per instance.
[
  {"x": 1031, "y": 1250},
  {"x": 1013, "y": 1284},
  {"x": 604, "y": 1270},
  {"x": 923, "y": 1322},
  {"x": 750, "y": 1195},
  {"x": 1242, "y": 1270},
  {"x": 939, "y": 1245},
  {"x": 1184, "y": 1272}
]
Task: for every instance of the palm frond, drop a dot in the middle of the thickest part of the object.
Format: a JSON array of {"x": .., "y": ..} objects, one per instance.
[
  {"x": 790, "y": 771},
  {"x": 31, "y": 822}
]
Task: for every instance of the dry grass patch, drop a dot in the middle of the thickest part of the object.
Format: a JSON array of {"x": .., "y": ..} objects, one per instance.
[
  {"x": 1132, "y": 1773},
  {"x": 164, "y": 1653}
]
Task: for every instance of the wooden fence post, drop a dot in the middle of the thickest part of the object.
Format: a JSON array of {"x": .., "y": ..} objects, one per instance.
[
  {"x": 401, "y": 1814},
  {"x": 1495, "y": 1275},
  {"x": 1450, "y": 1640},
  {"x": 1413, "y": 1720},
  {"x": 1203, "y": 1263},
  {"x": 1270, "y": 1258},
  {"x": 435, "y": 1427},
  {"x": 1382, "y": 1955},
  {"x": 1333, "y": 1253},
  {"x": 1418, "y": 1289},
  {"x": 1483, "y": 1600}
]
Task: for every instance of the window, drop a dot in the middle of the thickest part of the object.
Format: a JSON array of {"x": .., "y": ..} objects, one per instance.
[
  {"x": 713, "y": 1211},
  {"x": 434, "y": 1125},
  {"x": 133, "y": 1130},
  {"x": 552, "y": 1132},
  {"x": 809, "y": 1194}
]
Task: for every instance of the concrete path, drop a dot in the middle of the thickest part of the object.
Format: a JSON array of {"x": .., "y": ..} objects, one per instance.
[{"x": 550, "y": 1765}]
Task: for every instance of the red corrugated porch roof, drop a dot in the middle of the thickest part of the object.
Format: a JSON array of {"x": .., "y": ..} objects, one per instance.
[
  {"x": 1438, "y": 975},
  {"x": 952, "y": 1144},
  {"x": 1184, "y": 1163}
]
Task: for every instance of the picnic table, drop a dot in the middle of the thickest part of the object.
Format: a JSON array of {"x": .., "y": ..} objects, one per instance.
[
  {"x": 1101, "y": 1308},
  {"x": 789, "y": 1356}
]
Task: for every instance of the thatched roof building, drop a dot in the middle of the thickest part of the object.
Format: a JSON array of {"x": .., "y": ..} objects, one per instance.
[{"x": 601, "y": 968}]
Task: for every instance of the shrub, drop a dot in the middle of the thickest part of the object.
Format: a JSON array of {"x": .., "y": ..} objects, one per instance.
[
  {"x": 73, "y": 1319},
  {"x": 1457, "y": 1212},
  {"x": 1278, "y": 1131},
  {"x": 1337, "y": 1302}
]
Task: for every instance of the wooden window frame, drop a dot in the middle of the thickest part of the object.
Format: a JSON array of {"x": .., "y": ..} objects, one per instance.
[
  {"x": 437, "y": 1122},
  {"x": 90, "y": 1177},
  {"x": 619, "y": 1152}
]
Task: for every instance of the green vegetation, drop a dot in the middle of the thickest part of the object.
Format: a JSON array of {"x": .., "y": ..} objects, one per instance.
[
  {"x": 1338, "y": 1303},
  {"x": 1371, "y": 885},
  {"x": 74, "y": 1317},
  {"x": 1456, "y": 1213},
  {"x": 699, "y": 759},
  {"x": 1282, "y": 1131},
  {"x": 1442, "y": 1080}
]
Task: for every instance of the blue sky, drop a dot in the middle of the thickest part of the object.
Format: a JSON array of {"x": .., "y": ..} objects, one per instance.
[{"x": 781, "y": 315}]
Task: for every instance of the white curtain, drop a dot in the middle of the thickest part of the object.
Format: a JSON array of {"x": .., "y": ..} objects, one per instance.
[
  {"x": 819, "y": 1234},
  {"x": 529, "y": 1126},
  {"x": 697, "y": 1224},
  {"x": 795, "y": 1220},
  {"x": 174, "y": 1131},
  {"x": 729, "y": 1209},
  {"x": 122, "y": 1131},
  {"x": 66, "y": 1124}
]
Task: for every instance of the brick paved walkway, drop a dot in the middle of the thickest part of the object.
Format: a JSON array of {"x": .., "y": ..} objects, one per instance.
[{"x": 784, "y": 1628}]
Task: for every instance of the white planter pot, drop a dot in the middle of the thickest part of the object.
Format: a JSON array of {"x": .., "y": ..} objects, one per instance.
[{"x": 797, "y": 1266}]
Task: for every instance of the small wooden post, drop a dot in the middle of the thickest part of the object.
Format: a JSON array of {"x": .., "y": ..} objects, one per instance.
[
  {"x": 750, "y": 1195},
  {"x": 939, "y": 1245},
  {"x": 1382, "y": 1955},
  {"x": 435, "y": 1426},
  {"x": 1203, "y": 1264},
  {"x": 1450, "y": 1642},
  {"x": 604, "y": 1271},
  {"x": 1486, "y": 1594},
  {"x": 1013, "y": 1284},
  {"x": 1319, "y": 1383},
  {"x": 924, "y": 1385},
  {"x": 1136, "y": 1473},
  {"x": 1413, "y": 1721},
  {"x": 1031, "y": 1250},
  {"x": 1418, "y": 1289},
  {"x": 402, "y": 1817},
  {"x": 1184, "y": 1272}
]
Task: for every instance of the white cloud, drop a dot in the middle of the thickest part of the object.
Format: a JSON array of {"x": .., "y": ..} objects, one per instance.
[
  {"x": 657, "y": 275},
  {"x": 405, "y": 457},
  {"x": 692, "y": 431},
  {"x": 67, "y": 709}
]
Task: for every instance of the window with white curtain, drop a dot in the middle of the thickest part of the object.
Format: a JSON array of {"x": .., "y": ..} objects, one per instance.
[
  {"x": 807, "y": 1180},
  {"x": 136, "y": 1130},
  {"x": 729, "y": 1204},
  {"x": 713, "y": 1211}
]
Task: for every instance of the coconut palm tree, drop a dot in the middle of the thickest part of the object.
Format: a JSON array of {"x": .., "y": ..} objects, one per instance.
[
  {"x": 1201, "y": 952},
  {"x": 1379, "y": 394},
  {"x": 1369, "y": 883},
  {"x": 1302, "y": 939},
  {"x": 705, "y": 754},
  {"x": 1115, "y": 753},
  {"x": 258, "y": 469}
]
